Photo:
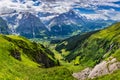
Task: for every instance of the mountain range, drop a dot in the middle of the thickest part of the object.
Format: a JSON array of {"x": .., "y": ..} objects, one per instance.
[
  {"x": 33, "y": 22},
  {"x": 66, "y": 24}
]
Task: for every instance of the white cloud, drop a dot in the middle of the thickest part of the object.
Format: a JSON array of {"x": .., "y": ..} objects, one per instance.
[
  {"x": 95, "y": 16},
  {"x": 61, "y": 6},
  {"x": 110, "y": 14},
  {"x": 116, "y": 17}
]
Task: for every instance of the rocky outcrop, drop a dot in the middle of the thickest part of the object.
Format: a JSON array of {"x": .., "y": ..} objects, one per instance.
[
  {"x": 103, "y": 68},
  {"x": 16, "y": 54},
  {"x": 83, "y": 74}
]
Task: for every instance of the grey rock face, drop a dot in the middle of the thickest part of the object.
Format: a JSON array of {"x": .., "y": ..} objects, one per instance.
[
  {"x": 30, "y": 26},
  {"x": 3, "y": 27},
  {"x": 83, "y": 74},
  {"x": 102, "y": 68}
]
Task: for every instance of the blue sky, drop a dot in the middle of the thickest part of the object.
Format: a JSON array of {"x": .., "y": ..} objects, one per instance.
[{"x": 85, "y": 10}]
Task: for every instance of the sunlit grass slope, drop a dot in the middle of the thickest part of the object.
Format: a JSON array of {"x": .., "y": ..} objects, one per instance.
[
  {"x": 21, "y": 59},
  {"x": 92, "y": 49}
]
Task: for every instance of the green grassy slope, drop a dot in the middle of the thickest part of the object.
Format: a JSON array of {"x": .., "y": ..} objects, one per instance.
[
  {"x": 94, "y": 48},
  {"x": 36, "y": 52},
  {"x": 21, "y": 59},
  {"x": 70, "y": 45}
]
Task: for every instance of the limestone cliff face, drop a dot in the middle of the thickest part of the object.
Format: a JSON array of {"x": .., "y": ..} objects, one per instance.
[
  {"x": 83, "y": 74},
  {"x": 103, "y": 68}
]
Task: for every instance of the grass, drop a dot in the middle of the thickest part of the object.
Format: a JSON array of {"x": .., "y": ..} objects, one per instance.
[
  {"x": 88, "y": 49},
  {"x": 27, "y": 68},
  {"x": 68, "y": 65},
  {"x": 78, "y": 53}
]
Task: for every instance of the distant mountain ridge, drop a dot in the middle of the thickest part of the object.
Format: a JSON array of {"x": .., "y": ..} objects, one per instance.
[
  {"x": 66, "y": 24},
  {"x": 70, "y": 22},
  {"x": 26, "y": 24}
]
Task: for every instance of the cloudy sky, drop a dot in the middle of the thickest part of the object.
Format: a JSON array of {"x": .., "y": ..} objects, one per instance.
[{"x": 93, "y": 9}]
